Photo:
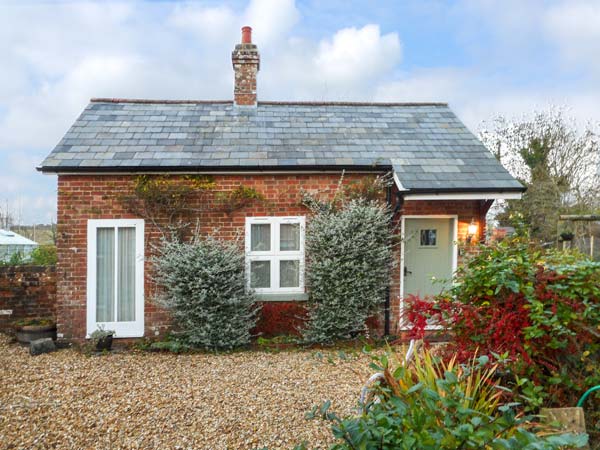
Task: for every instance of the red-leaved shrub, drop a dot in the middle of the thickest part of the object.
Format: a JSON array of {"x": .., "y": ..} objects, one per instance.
[
  {"x": 280, "y": 318},
  {"x": 536, "y": 312}
]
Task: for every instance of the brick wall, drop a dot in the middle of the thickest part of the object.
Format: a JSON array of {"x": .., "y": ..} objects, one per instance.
[
  {"x": 83, "y": 197},
  {"x": 27, "y": 291}
]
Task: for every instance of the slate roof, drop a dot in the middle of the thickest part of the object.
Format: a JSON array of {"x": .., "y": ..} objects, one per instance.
[{"x": 427, "y": 146}]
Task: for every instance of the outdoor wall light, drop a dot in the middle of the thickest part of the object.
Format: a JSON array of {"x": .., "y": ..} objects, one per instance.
[{"x": 472, "y": 230}]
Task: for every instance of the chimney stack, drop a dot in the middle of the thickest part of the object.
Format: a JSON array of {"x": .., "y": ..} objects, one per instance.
[{"x": 246, "y": 64}]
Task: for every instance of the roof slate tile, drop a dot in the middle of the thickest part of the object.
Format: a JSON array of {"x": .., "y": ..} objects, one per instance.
[{"x": 426, "y": 144}]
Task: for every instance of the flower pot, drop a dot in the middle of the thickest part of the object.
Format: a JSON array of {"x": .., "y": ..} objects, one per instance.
[
  {"x": 27, "y": 333},
  {"x": 104, "y": 343}
]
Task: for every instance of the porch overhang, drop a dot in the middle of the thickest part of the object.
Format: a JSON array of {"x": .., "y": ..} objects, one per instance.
[
  {"x": 457, "y": 193},
  {"x": 492, "y": 195}
]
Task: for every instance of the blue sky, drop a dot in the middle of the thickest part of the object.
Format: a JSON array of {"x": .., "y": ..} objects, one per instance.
[{"x": 484, "y": 57}]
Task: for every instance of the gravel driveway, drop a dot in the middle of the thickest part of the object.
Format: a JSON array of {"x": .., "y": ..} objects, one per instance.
[{"x": 140, "y": 400}]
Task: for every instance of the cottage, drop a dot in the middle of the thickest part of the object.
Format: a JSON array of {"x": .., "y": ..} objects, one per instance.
[{"x": 445, "y": 181}]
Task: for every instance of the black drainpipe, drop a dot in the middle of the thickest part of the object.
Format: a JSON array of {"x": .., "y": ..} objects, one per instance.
[
  {"x": 386, "y": 307},
  {"x": 399, "y": 203}
]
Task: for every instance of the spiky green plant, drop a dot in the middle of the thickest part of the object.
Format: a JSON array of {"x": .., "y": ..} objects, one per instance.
[{"x": 432, "y": 404}]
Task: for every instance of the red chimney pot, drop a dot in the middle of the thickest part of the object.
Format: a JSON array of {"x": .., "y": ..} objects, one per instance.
[{"x": 246, "y": 35}]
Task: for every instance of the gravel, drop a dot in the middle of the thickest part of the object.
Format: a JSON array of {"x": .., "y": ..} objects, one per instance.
[{"x": 136, "y": 400}]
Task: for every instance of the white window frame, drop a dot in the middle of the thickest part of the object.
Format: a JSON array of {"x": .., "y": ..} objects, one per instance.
[
  {"x": 275, "y": 255},
  {"x": 122, "y": 329}
]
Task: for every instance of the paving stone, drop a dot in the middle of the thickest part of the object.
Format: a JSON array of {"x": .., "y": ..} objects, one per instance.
[{"x": 41, "y": 346}]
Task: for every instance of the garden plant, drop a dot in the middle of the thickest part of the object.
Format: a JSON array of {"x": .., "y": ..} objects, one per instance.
[
  {"x": 433, "y": 404},
  {"x": 349, "y": 266},
  {"x": 203, "y": 285},
  {"x": 534, "y": 312}
]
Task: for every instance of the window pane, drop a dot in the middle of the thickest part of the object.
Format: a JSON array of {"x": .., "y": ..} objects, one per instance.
[
  {"x": 126, "y": 275},
  {"x": 105, "y": 274},
  {"x": 289, "y": 236},
  {"x": 260, "y": 237},
  {"x": 289, "y": 273},
  {"x": 260, "y": 274},
  {"x": 428, "y": 238}
]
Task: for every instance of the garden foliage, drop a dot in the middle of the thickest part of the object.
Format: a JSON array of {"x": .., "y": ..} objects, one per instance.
[
  {"x": 349, "y": 267},
  {"x": 537, "y": 312},
  {"x": 43, "y": 255},
  {"x": 203, "y": 285},
  {"x": 437, "y": 405}
]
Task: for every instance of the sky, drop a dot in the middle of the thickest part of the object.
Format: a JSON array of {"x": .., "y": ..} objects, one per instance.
[{"x": 483, "y": 57}]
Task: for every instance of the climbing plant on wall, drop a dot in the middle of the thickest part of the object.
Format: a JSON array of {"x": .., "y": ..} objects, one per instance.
[{"x": 174, "y": 202}]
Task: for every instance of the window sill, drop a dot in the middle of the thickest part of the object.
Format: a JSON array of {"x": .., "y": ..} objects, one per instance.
[{"x": 282, "y": 297}]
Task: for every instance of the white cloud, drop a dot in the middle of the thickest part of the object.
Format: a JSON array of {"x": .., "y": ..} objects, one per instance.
[
  {"x": 346, "y": 66},
  {"x": 271, "y": 20},
  {"x": 478, "y": 97},
  {"x": 574, "y": 27},
  {"x": 29, "y": 196},
  {"x": 354, "y": 55},
  {"x": 425, "y": 85},
  {"x": 40, "y": 119},
  {"x": 209, "y": 24},
  {"x": 562, "y": 34},
  {"x": 55, "y": 56}
]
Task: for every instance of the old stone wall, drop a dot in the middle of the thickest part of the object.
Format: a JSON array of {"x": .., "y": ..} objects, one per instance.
[{"x": 26, "y": 292}]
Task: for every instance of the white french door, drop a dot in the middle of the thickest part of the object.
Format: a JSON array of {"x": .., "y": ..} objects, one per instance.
[{"x": 115, "y": 276}]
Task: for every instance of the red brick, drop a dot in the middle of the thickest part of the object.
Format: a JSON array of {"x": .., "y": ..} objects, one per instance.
[{"x": 79, "y": 200}]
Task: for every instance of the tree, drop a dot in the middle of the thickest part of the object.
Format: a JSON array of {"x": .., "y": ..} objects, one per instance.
[
  {"x": 7, "y": 217},
  {"x": 557, "y": 163}
]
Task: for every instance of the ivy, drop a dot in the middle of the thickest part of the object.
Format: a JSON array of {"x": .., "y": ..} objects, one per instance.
[
  {"x": 240, "y": 197},
  {"x": 171, "y": 202}
]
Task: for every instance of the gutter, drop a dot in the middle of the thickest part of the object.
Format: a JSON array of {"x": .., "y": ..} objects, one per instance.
[
  {"x": 210, "y": 169},
  {"x": 438, "y": 191}
]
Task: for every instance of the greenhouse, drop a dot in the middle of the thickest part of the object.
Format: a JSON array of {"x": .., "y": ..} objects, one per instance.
[{"x": 12, "y": 243}]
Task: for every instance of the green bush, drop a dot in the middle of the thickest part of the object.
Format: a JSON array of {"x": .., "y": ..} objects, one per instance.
[
  {"x": 203, "y": 285},
  {"x": 16, "y": 259},
  {"x": 536, "y": 311},
  {"x": 440, "y": 406},
  {"x": 44, "y": 255},
  {"x": 349, "y": 268}
]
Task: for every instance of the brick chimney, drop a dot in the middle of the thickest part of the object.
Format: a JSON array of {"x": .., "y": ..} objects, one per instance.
[{"x": 246, "y": 64}]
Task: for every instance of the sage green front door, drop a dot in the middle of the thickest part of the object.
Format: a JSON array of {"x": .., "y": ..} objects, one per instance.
[{"x": 428, "y": 255}]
